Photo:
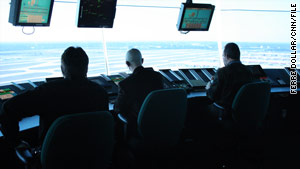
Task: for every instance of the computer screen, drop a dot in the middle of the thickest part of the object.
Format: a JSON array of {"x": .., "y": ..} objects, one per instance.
[
  {"x": 96, "y": 13},
  {"x": 6, "y": 93},
  {"x": 31, "y": 12},
  {"x": 116, "y": 78},
  {"x": 195, "y": 17}
]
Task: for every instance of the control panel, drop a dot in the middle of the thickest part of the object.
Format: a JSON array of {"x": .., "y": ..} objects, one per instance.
[
  {"x": 257, "y": 71},
  {"x": 277, "y": 77},
  {"x": 13, "y": 89},
  {"x": 288, "y": 70},
  {"x": 197, "y": 78},
  {"x": 174, "y": 80},
  {"x": 190, "y": 79}
]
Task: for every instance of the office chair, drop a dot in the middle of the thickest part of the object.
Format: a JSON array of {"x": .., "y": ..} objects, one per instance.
[
  {"x": 249, "y": 110},
  {"x": 162, "y": 116},
  {"x": 79, "y": 141},
  {"x": 250, "y": 106},
  {"x": 160, "y": 122}
]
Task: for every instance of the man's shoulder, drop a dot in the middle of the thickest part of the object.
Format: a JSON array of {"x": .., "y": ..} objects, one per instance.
[
  {"x": 58, "y": 82},
  {"x": 126, "y": 80},
  {"x": 71, "y": 84},
  {"x": 221, "y": 70},
  {"x": 241, "y": 68},
  {"x": 234, "y": 67},
  {"x": 145, "y": 74},
  {"x": 152, "y": 73}
]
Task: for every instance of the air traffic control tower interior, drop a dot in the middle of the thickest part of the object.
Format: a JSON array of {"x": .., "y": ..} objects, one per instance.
[{"x": 183, "y": 41}]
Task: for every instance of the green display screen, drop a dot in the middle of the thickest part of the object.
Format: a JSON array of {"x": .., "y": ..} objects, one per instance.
[
  {"x": 34, "y": 11},
  {"x": 196, "y": 18},
  {"x": 116, "y": 79},
  {"x": 6, "y": 93}
]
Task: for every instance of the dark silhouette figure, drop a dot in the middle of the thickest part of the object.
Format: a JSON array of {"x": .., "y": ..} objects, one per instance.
[
  {"x": 134, "y": 89},
  {"x": 72, "y": 94},
  {"x": 228, "y": 80}
]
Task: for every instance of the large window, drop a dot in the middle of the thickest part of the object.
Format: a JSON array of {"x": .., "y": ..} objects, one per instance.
[
  {"x": 152, "y": 29},
  {"x": 261, "y": 30},
  {"x": 37, "y": 56}
]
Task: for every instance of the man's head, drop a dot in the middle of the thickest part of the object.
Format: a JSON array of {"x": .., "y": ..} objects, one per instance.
[
  {"x": 74, "y": 63},
  {"x": 134, "y": 59},
  {"x": 231, "y": 53}
]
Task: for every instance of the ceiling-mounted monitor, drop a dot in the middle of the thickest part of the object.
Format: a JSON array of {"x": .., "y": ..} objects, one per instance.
[
  {"x": 96, "y": 13},
  {"x": 195, "y": 17},
  {"x": 30, "y": 12}
]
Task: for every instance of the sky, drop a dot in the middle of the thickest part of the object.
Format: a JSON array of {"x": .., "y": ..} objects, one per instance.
[{"x": 229, "y": 23}]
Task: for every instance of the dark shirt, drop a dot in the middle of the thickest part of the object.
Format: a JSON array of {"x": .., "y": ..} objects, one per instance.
[
  {"x": 50, "y": 101},
  {"x": 227, "y": 82},
  {"x": 134, "y": 89}
]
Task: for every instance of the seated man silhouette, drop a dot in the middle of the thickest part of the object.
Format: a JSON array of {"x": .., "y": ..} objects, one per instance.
[
  {"x": 73, "y": 94},
  {"x": 134, "y": 89},
  {"x": 227, "y": 81}
]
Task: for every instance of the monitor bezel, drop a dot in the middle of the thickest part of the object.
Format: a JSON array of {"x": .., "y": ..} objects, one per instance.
[{"x": 183, "y": 8}]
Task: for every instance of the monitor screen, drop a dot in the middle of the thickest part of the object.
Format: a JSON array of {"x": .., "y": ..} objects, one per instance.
[
  {"x": 96, "y": 13},
  {"x": 31, "y": 12},
  {"x": 116, "y": 78},
  {"x": 6, "y": 93},
  {"x": 195, "y": 17}
]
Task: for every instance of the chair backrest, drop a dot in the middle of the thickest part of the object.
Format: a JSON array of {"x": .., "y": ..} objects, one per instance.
[
  {"x": 250, "y": 105},
  {"x": 76, "y": 141},
  {"x": 162, "y": 116}
]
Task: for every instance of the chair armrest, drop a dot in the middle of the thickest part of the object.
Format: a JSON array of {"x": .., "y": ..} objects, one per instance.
[
  {"x": 122, "y": 118},
  {"x": 23, "y": 152}
]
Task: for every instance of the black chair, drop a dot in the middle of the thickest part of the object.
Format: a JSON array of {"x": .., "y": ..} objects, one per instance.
[
  {"x": 249, "y": 110},
  {"x": 159, "y": 124},
  {"x": 79, "y": 141},
  {"x": 250, "y": 106}
]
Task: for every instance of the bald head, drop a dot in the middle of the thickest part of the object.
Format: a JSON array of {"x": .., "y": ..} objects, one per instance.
[{"x": 134, "y": 58}]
